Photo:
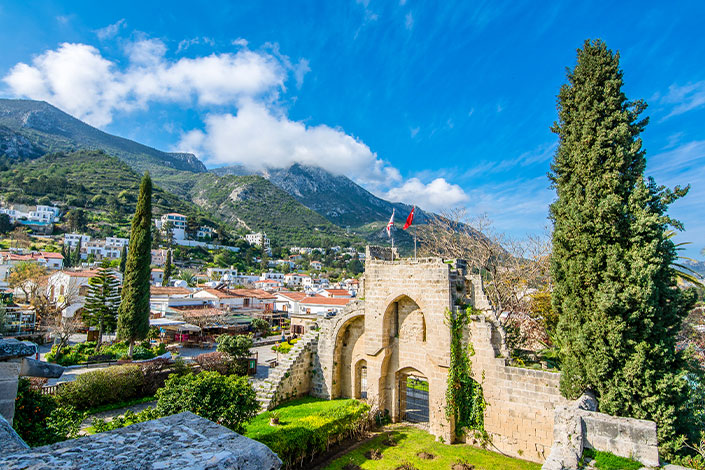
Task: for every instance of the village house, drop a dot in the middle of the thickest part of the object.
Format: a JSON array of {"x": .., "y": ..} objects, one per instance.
[
  {"x": 217, "y": 274},
  {"x": 205, "y": 232},
  {"x": 336, "y": 293},
  {"x": 269, "y": 285},
  {"x": 288, "y": 301},
  {"x": 164, "y": 298},
  {"x": 259, "y": 239},
  {"x": 178, "y": 224},
  {"x": 46, "y": 259},
  {"x": 73, "y": 239},
  {"x": 68, "y": 289},
  {"x": 323, "y": 306},
  {"x": 221, "y": 298},
  {"x": 41, "y": 214},
  {"x": 159, "y": 257},
  {"x": 295, "y": 279},
  {"x": 157, "y": 276},
  {"x": 317, "y": 265}
]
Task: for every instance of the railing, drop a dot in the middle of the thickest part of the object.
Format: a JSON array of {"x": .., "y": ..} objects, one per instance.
[{"x": 51, "y": 389}]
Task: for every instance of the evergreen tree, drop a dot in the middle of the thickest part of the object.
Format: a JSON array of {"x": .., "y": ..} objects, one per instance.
[
  {"x": 102, "y": 302},
  {"x": 66, "y": 253},
  {"x": 614, "y": 287},
  {"x": 133, "y": 315},
  {"x": 76, "y": 256},
  {"x": 123, "y": 259},
  {"x": 167, "y": 269}
]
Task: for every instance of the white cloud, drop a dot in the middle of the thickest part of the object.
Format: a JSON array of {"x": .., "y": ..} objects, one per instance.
[
  {"x": 437, "y": 195},
  {"x": 259, "y": 138},
  {"x": 684, "y": 98},
  {"x": 186, "y": 43},
  {"x": 409, "y": 21},
  {"x": 111, "y": 30},
  {"x": 79, "y": 80}
]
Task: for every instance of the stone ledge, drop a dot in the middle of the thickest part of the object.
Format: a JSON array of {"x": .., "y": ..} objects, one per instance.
[
  {"x": 10, "y": 348},
  {"x": 183, "y": 441}
]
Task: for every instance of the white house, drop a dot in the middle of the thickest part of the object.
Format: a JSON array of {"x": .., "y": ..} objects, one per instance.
[
  {"x": 270, "y": 275},
  {"x": 157, "y": 276},
  {"x": 221, "y": 298},
  {"x": 322, "y": 306},
  {"x": 269, "y": 285},
  {"x": 49, "y": 260},
  {"x": 178, "y": 223},
  {"x": 205, "y": 232},
  {"x": 288, "y": 302},
  {"x": 68, "y": 289},
  {"x": 41, "y": 214},
  {"x": 218, "y": 273},
  {"x": 72, "y": 239},
  {"x": 162, "y": 298},
  {"x": 295, "y": 279},
  {"x": 317, "y": 265},
  {"x": 259, "y": 239}
]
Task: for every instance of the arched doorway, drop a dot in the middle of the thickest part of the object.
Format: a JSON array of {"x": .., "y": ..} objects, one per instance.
[
  {"x": 361, "y": 380},
  {"x": 413, "y": 395}
]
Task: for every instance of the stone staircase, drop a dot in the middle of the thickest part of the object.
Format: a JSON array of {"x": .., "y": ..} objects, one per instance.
[{"x": 290, "y": 367}]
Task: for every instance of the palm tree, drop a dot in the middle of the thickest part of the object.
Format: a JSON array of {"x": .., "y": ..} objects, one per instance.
[
  {"x": 681, "y": 271},
  {"x": 188, "y": 276}
]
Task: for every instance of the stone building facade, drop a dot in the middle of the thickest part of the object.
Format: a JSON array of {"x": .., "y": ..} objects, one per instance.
[{"x": 397, "y": 329}]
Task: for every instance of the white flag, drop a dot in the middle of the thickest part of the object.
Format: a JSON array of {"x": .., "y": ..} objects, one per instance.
[{"x": 389, "y": 225}]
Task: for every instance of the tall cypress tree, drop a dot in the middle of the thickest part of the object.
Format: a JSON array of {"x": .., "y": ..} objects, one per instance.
[
  {"x": 167, "y": 269},
  {"x": 614, "y": 288},
  {"x": 102, "y": 302},
  {"x": 123, "y": 259},
  {"x": 133, "y": 315},
  {"x": 76, "y": 256}
]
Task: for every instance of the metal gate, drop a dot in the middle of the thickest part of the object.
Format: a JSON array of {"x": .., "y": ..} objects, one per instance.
[
  {"x": 416, "y": 400},
  {"x": 363, "y": 382}
]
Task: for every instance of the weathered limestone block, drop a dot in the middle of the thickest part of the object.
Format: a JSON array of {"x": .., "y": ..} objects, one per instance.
[
  {"x": 184, "y": 441},
  {"x": 10, "y": 441}
]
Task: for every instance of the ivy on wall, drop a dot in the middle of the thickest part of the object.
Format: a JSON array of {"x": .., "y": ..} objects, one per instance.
[{"x": 465, "y": 401}]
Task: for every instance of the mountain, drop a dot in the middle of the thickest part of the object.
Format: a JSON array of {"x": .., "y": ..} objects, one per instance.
[
  {"x": 254, "y": 203},
  {"x": 93, "y": 180},
  {"x": 337, "y": 198},
  {"x": 31, "y": 128},
  {"x": 287, "y": 203}
]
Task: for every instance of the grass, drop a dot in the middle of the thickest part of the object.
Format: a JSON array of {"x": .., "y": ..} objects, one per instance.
[
  {"x": 412, "y": 441},
  {"x": 609, "y": 461},
  {"x": 291, "y": 414},
  {"x": 122, "y": 404}
]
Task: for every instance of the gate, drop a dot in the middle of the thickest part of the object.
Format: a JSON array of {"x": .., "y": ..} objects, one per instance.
[{"x": 416, "y": 400}]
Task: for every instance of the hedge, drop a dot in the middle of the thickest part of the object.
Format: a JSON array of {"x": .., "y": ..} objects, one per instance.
[
  {"x": 309, "y": 426},
  {"x": 102, "y": 386}
]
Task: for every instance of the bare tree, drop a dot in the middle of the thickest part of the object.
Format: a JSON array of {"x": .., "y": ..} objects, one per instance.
[
  {"x": 512, "y": 269},
  {"x": 61, "y": 328}
]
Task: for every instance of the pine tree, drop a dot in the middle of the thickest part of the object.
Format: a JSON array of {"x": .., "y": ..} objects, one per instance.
[
  {"x": 133, "y": 315},
  {"x": 614, "y": 287},
  {"x": 167, "y": 269},
  {"x": 123, "y": 259},
  {"x": 102, "y": 302}
]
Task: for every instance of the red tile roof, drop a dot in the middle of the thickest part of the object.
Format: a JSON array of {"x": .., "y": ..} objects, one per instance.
[
  {"x": 255, "y": 293},
  {"x": 295, "y": 296},
  {"x": 168, "y": 290},
  {"x": 88, "y": 273},
  {"x": 222, "y": 294},
  {"x": 324, "y": 301}
]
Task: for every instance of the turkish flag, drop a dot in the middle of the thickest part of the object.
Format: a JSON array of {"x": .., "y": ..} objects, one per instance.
[{"x": 409, "y": 219}]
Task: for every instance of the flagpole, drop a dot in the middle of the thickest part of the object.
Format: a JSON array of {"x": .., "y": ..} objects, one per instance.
[
  {"x": 392, "y": 246},
  {"x": 415, "y": 244}
]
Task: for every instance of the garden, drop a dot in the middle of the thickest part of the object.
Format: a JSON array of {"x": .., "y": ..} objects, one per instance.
[{"x": 85, "y": 353}]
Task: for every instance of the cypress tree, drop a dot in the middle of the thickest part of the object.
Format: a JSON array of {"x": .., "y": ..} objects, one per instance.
[
  {"x": 167, "y": 269},
  {"x": 133, "y": 315},
  {"x": 614, "y": 287},
  {"x": 102, "y": 302},
  {"x": 76, "y": 257},
  {"x": 123, "y": 259}
]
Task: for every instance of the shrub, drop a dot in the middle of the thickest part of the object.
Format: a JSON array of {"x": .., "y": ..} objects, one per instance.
[
  {"x": 215, "y": 361},
  {"x": 130, "y": 417},
  {"x": 99, "y": 387},
  {"x": 85, "y": 352},
  {"x": 226, "y": 400},
  {"x": 236, "y": 346},
  {"x": 39, "y": 420},
  {"x": 155, "y": 373}
]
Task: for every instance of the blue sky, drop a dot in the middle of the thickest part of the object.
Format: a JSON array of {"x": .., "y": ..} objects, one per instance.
[{"x": 433, "y": 103}]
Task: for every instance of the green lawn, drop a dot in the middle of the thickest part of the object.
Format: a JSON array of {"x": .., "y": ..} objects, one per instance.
[{"x": 412, "y": 441}]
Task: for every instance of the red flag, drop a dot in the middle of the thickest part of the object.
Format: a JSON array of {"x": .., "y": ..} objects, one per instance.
[{"x": 409, "y": 219}]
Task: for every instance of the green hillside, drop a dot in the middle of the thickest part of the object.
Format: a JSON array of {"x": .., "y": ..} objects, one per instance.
[
  {"x": 89, "y": 179},
  {"x": 256, "y": 204}
]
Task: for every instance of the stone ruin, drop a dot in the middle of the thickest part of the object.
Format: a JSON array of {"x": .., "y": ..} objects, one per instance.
[
  {"x": 397, "y": 330},
  {"x": 183, "y": 441}
]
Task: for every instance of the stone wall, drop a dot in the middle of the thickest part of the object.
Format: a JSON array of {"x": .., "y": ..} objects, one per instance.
[
  {"x": 519, "y": 416},
  {"x": 292, "y": 377},
  {"x": 626, "y": 437},
  {"x": 9, "y": 373}
]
